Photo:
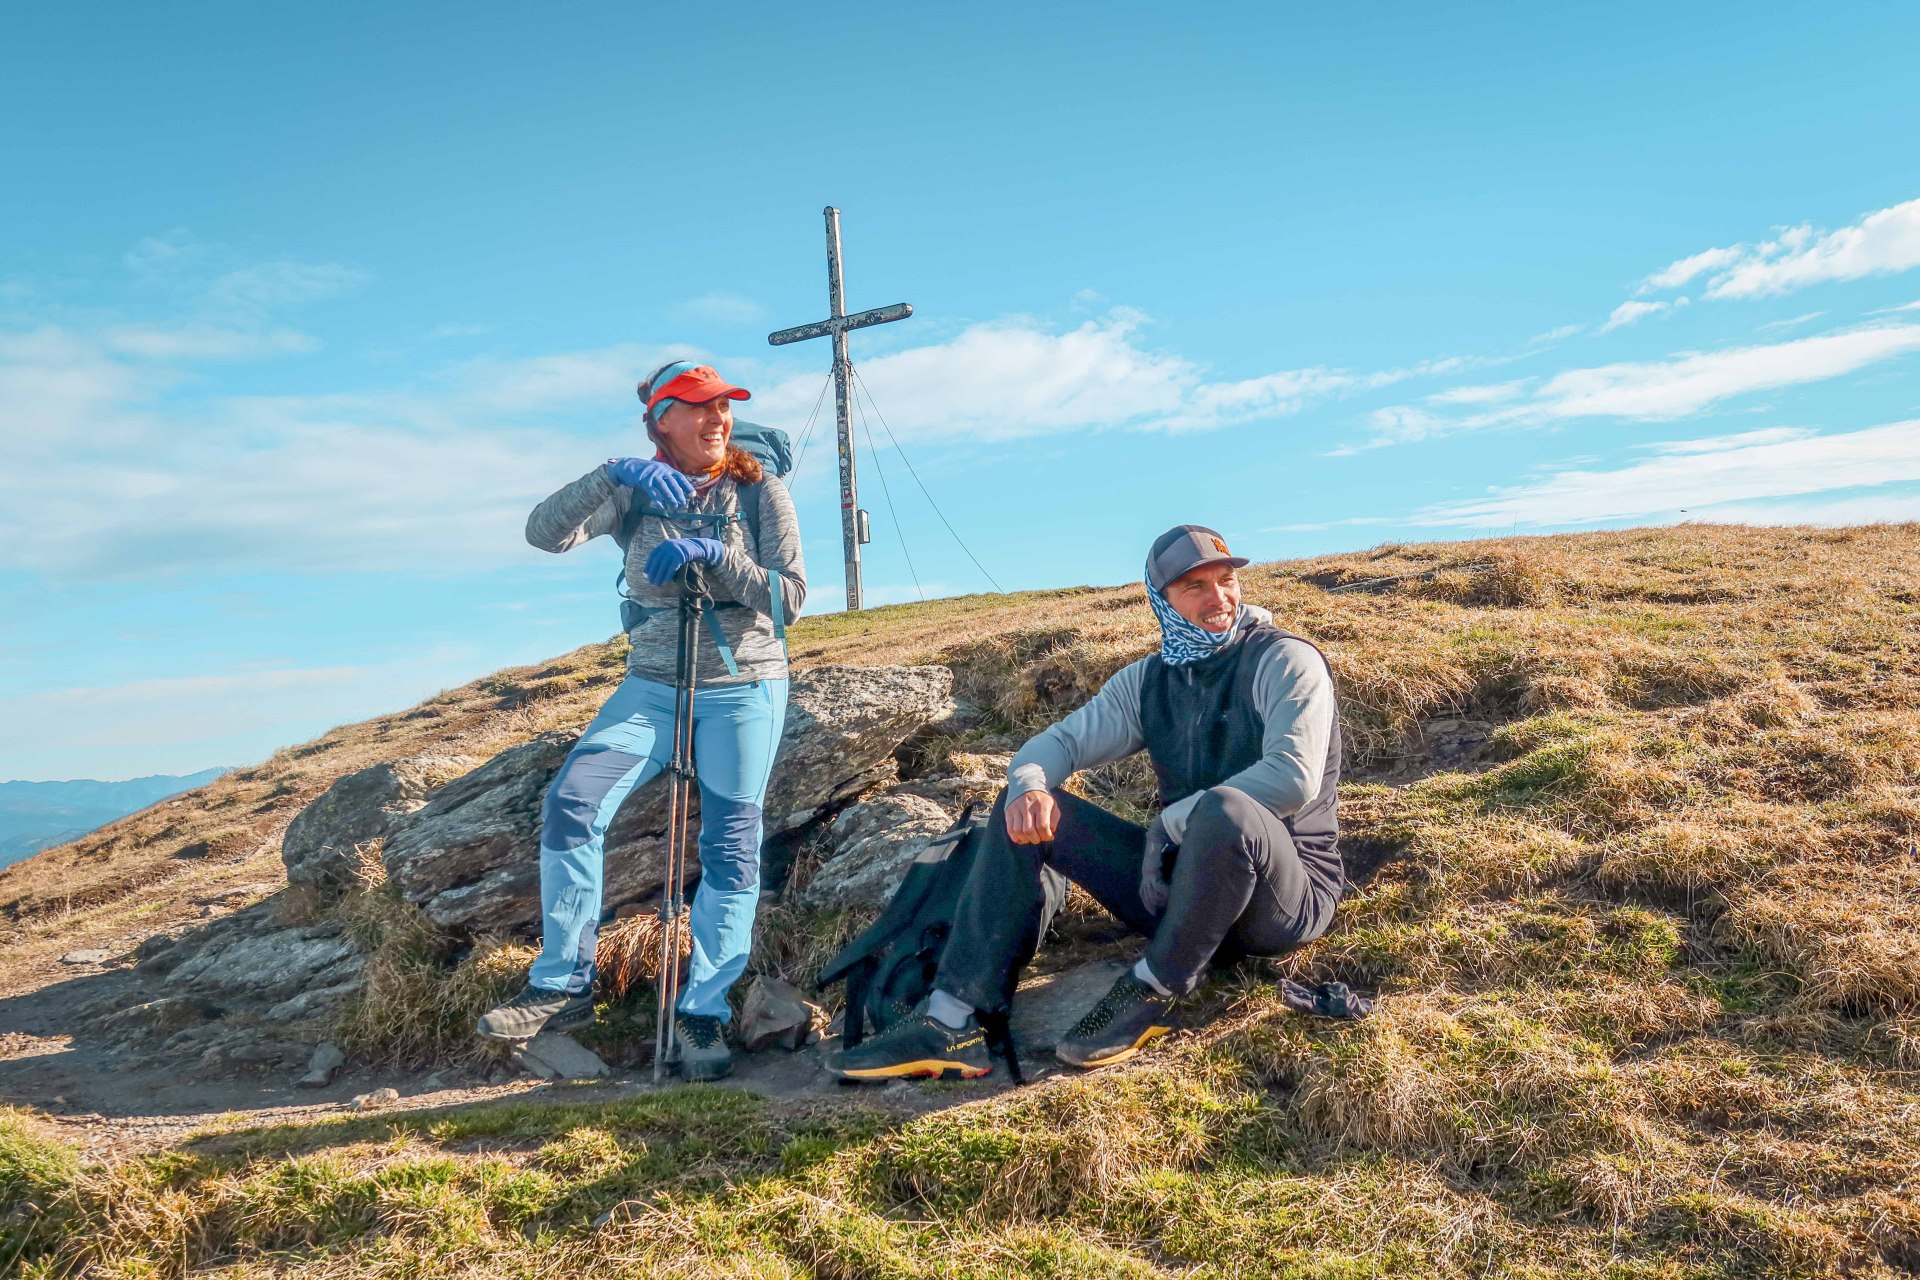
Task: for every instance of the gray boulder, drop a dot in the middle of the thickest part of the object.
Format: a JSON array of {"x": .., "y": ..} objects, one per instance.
[
  {"x": 875, "y": 842},
  {"x": 470, "y": 857},
  {"x": 322, "y": 843},
  {"x": 249, "y": 959}
]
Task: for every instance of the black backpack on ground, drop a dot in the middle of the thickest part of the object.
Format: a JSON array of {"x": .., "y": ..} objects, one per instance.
[{"x": 889, "y": 968}]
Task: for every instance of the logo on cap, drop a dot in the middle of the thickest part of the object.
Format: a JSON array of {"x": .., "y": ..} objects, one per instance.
[{"x": 1221, "y": 547}]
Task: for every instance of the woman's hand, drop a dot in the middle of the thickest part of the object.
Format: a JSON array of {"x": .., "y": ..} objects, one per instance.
[
  {"x": 660, "y": 481},
  {"x": 675, "y": 554},
  {"x": 1032, "y": 817}
]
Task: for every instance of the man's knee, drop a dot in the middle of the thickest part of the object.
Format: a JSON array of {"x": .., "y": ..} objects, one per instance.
[
  {"x": 576, "y": 792},
  {"x": 1228, "y": 821}
]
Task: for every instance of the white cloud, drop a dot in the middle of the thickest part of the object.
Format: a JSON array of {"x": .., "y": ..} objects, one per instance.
[
  {"x": 99, "y": 475},
  {"x": 1791, "y": 323},
  {"x": 1657, "y": 390},
  {"x": 1494, "y": 393},
  {"x": 1015, "y": 378},
  {"x": 172, "y": 724},
  {"x": 721, "y": 308},
  {"x": 283, "y": 283},
  {"x": 107, "y": 476},
  {"x": 1737, "y": 440},
  {"x": 1687, "y": 269},
  {"x": 1693, "y": 475},
  {"x": 1677, "y": 387},
  {"x": 1629, "y": 312},
  {"x": 1880, "y": 243},
  {"x": 204, "y": 342},
  {"x": 1552, "y": 336}
]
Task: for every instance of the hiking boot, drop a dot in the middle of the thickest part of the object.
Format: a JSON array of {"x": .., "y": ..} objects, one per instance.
[
  {"x": 918, "y": 1045},
  {"x": 700, "y": 1047},
  {"x": 1129, "y": 1016},
  {"x": 534, "y": 1011}
]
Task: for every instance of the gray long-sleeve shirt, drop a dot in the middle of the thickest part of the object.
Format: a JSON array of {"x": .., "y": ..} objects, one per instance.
[
  {"x": 1292, "y": 689},
  {"x": 595, "y": 505}
]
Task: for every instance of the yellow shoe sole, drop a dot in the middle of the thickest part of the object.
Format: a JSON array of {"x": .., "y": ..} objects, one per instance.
[
  {"x": 932, "y": 1068},
  {"x": 1118, "y": 1055}
]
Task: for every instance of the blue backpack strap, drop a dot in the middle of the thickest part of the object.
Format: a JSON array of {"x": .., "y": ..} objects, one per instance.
[
  {"x": 779, "y": 606},
  {"x": 720, "y": 642}
]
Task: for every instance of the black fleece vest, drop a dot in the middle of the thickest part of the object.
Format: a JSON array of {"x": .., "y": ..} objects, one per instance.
[{"x": 1202, "y": 727}]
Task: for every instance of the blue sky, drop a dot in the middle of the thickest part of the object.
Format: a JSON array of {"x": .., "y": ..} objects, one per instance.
[{"x": 300, "y": 311}]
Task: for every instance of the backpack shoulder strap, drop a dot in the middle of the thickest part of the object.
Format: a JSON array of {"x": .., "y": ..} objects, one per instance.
[{"x": 750, "y": 517}]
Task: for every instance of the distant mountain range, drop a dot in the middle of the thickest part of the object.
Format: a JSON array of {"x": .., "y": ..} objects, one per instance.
[{"x": 39, "y": 815}]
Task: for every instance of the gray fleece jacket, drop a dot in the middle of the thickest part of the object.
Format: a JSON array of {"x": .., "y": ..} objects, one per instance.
[
  {"x": 1295, "y": 696},
  {"x": 594, "y": 504}
]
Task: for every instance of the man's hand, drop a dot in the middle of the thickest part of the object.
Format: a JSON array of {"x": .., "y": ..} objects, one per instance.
[
  {"x": 1032, "y": 817},
  {"x": 1153, "y": 873}
]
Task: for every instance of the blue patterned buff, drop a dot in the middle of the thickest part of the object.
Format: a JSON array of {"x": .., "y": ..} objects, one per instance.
[{"x": 1181, "y": 641}]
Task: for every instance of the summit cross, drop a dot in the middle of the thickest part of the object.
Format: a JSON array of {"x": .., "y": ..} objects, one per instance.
[{"x": 853, "y": 521}]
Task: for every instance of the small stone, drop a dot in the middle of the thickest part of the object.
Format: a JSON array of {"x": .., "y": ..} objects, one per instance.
[
  {"x": 326, "y": 1060},
  {"x": 552, "y": 1056},
  {"x": 433, "y": 1084},
  {"x": 378, "y": 1098},
  {"x": 96, "y": 955},
  {"x": 775, "y": 1014}
]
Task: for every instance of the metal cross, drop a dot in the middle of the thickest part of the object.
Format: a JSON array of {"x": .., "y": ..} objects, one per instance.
[{"x": 853, "y": 521}]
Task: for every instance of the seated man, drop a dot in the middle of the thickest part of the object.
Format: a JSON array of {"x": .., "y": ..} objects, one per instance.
[{"x": 1240, "y": 721}]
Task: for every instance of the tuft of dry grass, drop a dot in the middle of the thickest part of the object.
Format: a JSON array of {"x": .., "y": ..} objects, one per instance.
[{"x": 627, "y": 955}]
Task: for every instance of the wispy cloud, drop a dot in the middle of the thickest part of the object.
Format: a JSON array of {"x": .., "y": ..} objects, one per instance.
[
  {"x": 1696, "y": 475},
  {"x": 204, "y": 342},
  {"x": 1016, "y": 378},
  {"x": 145, "y": 726},
  {"x": 267, "y": 285},
  {"x": 1880, "y": 243},
  {"x": 1631, "y": 312},
  {"x": 1653, "y": 390},
  {"x": 721, "y": 308}
]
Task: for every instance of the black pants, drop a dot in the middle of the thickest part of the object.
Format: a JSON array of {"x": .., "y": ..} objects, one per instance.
[{"x": 1238, "y": 887}]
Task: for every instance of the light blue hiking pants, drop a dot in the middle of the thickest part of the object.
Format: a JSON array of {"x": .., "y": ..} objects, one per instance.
[{"x": 736, "y": 730}]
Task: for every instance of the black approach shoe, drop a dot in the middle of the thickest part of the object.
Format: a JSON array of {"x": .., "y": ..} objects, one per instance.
[
  {"x": 1128, "y": 1017},
  {"x": 534, "y": 1011},
  {"x": 700, "y": 1048},
  {"x": 919, "y": 1045}
]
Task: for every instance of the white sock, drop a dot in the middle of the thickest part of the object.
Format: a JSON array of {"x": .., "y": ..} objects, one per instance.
[
  {"x": 947, "y": 1011},
  {"x": 1145, "y": 975}
]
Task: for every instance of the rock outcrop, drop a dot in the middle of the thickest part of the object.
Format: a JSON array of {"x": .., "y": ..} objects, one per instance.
[
  {"x": 875, "y": 842},
  {"x": 470, "y": 857},
  {"x": 324, "y": 841},
  {"x": 255, "y": 990},
  {"x": 249, "y": 961}
]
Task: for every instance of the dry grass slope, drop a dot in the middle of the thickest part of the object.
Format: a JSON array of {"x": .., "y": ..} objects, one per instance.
[{"x": 1638, "y": 817}]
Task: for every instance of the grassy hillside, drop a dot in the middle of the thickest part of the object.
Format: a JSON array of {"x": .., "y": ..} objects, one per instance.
[{"x": 1639, "y": 812}]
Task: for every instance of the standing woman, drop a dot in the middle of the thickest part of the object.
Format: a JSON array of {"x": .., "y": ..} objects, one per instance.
[{"x": 699, "y": 498}]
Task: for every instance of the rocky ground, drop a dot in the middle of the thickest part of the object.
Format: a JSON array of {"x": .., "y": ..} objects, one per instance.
[{"x": 229, "y": 1019}]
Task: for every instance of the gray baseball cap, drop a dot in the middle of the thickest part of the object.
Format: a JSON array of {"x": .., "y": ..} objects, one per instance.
[{"x": 1184, "y": 548}]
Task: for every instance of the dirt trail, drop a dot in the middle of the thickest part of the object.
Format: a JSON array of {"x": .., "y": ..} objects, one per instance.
[{"x": 114, "y": 1108}]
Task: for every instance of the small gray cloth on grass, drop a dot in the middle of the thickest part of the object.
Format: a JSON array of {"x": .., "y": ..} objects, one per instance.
[{"x": 1327, "y": 1000}]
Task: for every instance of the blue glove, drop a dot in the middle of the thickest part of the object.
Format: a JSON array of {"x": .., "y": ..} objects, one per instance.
[
  {"x": 675, "y": 554},
  {"x": 660, "y": 481},
  {"x": 1153, "y": 868}
]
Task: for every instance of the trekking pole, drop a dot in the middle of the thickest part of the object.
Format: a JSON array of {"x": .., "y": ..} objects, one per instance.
[{"x": 680, "y": 780}]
